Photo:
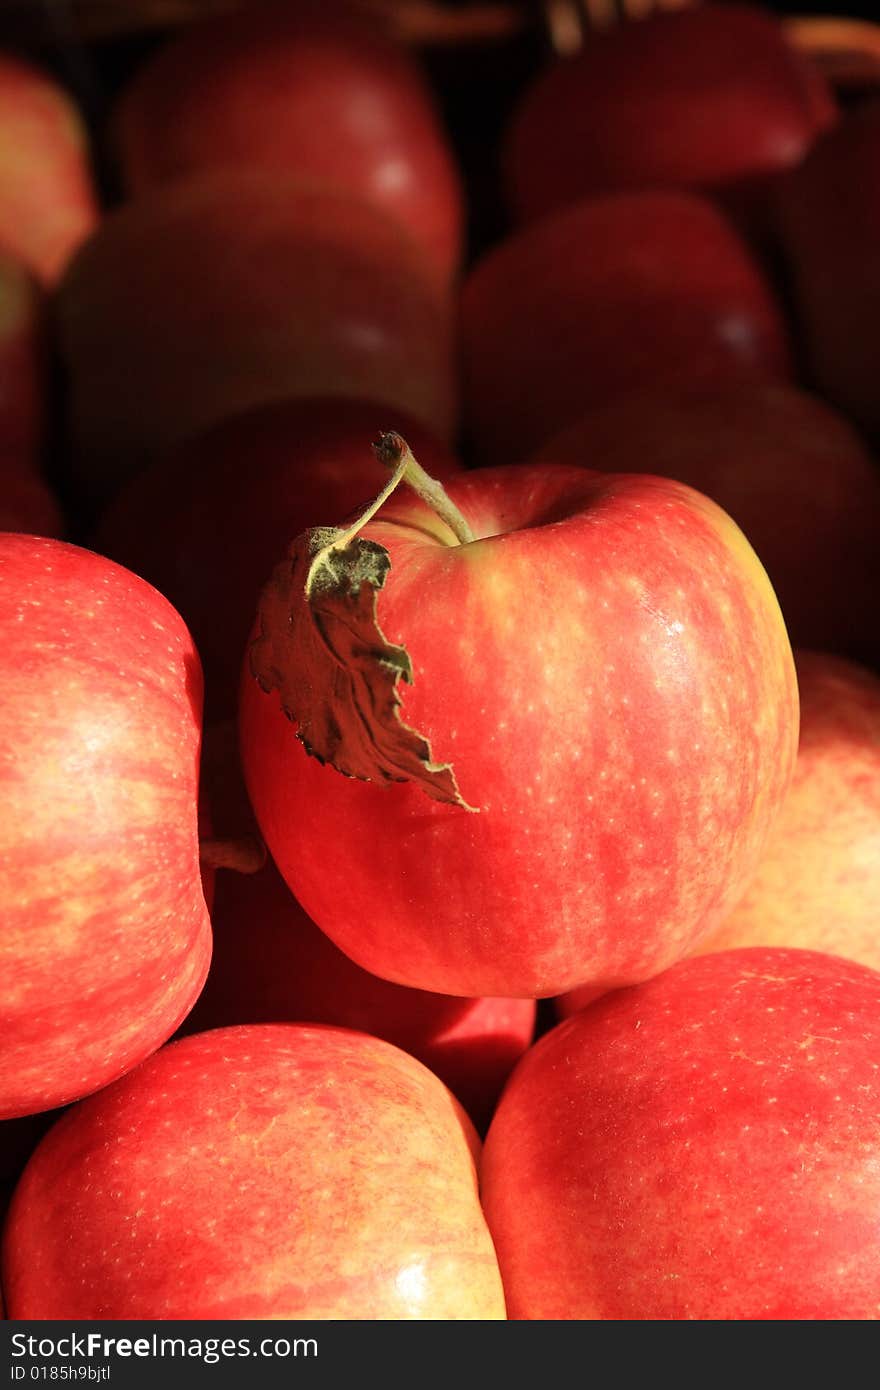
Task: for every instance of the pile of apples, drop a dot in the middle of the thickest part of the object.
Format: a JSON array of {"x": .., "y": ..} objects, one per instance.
[{"x": 439, "y": 695}]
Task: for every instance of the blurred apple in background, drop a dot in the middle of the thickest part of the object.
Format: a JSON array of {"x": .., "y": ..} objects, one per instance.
[
  {"x": 48, "y": 203},
  {"x": 242, "y": 492},
  {"x": 827, "y": 215},
  {"x": 28, "y": 505},
  {"x": 704, "y": 1146},
  {"x": 262, "y": 1172},
  {"x": 106, "y": 937},
  {"x": 271, "y": 964},
  {"x": 604, "y": 297},
  {"x": 234, "y": 289},
  {"x": 791, "y": 471},
  {"x": 23, "y": 369},
  {"x": 712, "y": 99},
  {"x": 818, "y": 882},
  {"x": 315, "y": 88},
  {"x": 18, "y": 1139}
]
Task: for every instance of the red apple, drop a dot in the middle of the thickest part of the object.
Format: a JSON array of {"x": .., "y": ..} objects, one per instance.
[
  {"x": 241, "y": 490},
  {"x": 602, "y": 298},
  {"x": 793, "y": 474},
  {"x": 714, "y": 98},
  {"x": 268, "y": 1172},
  {"x": 828, "y": 223},
  {"x": 335, "y": 98},
  {"x": 704, "y": 1146},
  {"x": 602, "y": 709},
  {"x": 234, "y": 289},
  {"x": 48, "y": 203},
  {"x": 105, "y": 938},
  {"x": 818, "y": 882},
  {"x": 271, "y": 964}
]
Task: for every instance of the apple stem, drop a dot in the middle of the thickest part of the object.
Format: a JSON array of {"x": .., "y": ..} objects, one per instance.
[
  {"x": 244, "y": 853},
  {"x": 393, "y": 450}
]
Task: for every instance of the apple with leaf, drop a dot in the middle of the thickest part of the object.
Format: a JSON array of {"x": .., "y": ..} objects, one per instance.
[{"x": 566, "y": 708}]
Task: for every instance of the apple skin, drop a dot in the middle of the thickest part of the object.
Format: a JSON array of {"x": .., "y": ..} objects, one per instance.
[
  {"x": 794, "y": 474},
  {"x": 271, "y": 964},
  {"x": 607, "y": 670},
  {"x": 48, "y": 203},
  {"x": 827, "y": 220},
  {"x": 274, "y": 1172},
  {"x": 703, "y": 1146},
  {"x": 712, "y": 99},
  {"x": 818, "y": 883},
  {"x": 106, "y": 938},
  {"x": 602, "y": 298},
  {"x": 250, "y": 287},
  {"x": 339, "y": 99},
  {"x": 241, "y": 491}
]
